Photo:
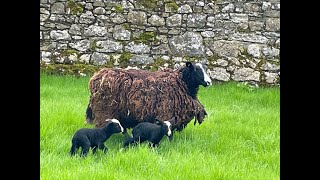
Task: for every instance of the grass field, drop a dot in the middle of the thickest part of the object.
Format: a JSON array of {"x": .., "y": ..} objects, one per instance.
[{"x": 239, "y": 139}]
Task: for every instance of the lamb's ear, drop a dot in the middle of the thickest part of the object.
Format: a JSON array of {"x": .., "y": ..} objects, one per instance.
[
  {"x": 173, "y": 120},
  {"x": 189, "y": 65},
  {"x": 158, "y": 122}
]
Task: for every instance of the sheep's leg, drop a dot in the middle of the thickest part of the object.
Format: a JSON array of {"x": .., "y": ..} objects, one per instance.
[
  {"x": 103, "y": 148},
  {"x": 73, "y": 149},
  {"x": 94, "y": 149},
  {"x": 84, "y": 150}
]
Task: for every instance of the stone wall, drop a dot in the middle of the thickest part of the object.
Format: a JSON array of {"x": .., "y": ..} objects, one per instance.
[{"x": 238, "y": 39}]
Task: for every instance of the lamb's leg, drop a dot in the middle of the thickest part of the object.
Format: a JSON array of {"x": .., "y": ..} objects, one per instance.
[
  {"x": 94, "y": 149},
  {"x": 84, "y": 150},
  {"x": 128, "y": 141},
  {"x": 103, "y": 148},
  {"x": 73, "y": 149}
]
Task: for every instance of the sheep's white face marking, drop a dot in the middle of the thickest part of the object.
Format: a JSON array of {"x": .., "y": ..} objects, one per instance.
[
  {"x": 169, "y": 127},
  {"x": 116, "y": 121},
  {"x": 205, "y": 75}
]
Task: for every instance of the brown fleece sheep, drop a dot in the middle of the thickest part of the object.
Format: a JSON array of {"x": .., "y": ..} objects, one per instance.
[{"x": 134, "y": 96}]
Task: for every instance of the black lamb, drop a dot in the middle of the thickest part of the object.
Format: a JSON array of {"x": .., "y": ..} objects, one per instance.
[
  {"x": 146, "y": 131},
  {"x": 94, "y": 138}
]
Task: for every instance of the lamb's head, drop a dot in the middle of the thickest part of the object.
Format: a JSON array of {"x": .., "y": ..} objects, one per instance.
[
  {"x": 198, "y": 74},
  {"x": 114, "y": 126},
  {"x": 167, "y": 128}
]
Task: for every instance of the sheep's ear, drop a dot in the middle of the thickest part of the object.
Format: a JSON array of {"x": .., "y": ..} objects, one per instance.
[
  {"x": 158, "y": 122},
  {"x": 189, "y": 65},
  {"x": 173, "y": 120}
]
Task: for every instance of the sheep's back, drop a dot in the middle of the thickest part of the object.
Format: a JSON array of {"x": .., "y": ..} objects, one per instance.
[{"x": 140, "y": 95}]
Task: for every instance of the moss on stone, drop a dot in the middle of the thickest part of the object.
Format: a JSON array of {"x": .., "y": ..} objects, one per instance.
[
  {"x": 159, "y": 62},
  {"x": 94, "y": 46},
  {"x": 124, "y": 59},
  {"x": 69, "y": 69},
  {"x": 126, "y": 26},
  {"x": 118, "y": 8},
  {"x": 149, "y": 4},
  {"x": 75, "y": 8},
  {"x": 172, "y": 5},
  {"x": 146, "y": 38}
]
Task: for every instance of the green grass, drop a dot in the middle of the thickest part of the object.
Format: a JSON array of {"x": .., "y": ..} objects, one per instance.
[{"x": 240, "y": 138}]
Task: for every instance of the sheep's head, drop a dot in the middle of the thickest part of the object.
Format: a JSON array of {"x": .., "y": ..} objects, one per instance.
[
  {"x": 198, "y": 74},
  {"x": 115, "y": 125},
  {"x": 168, "y": 128}
]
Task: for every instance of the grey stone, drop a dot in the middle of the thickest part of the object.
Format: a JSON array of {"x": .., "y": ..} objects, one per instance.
[
  {"x": 89, "y": 6},
  {"x": 222, "y": 16},
  {"x": 57, "y": 8},
  {"x": 137, "y": 17},
  {"x": 117, "y": 18},
  {"x": 121, "y": 34},
  {"x": 87, "y": 18},
  {"x": 228, "y": 8},
  {"x": 225, "y": 48},
  {"x": 196, "y": 20},
  {"x": 210, "y": 21},
  {"x": 271, "y": 77},
  {"x": 139, "y": 48},
  {"x": 219, "y": 74},
  {"x": 98, "y": 4},
  {"x": 156, "y": 20},
  {"x": 60, "y": 35},
  {"x": 44, "y": 11},
  {"x": 99, "y": 58},
  {"x": 45, "y": 56},
  {"x": 174, "y": 20},
  {"x": 239, "y": 18},
  {"x": 109, "y": 46},
  {"x": 273, "y": 24},
  {"x": 256, "y": 25},
  {"x": 200, "y": 3},
  {"x": 61, "y": 26},
  {"x": 188, "y": 44},
  {"x": 254, "y": 50},
  {"x": 271, "y": 52},
  {"x": 126, "y": 4},
  {"x": 82, "y": 45},
  {"x": 272, "y": 13},
  {"x": 266, "y": 6},
  {"x": 220, "y": 62},
  {"x": 174, "y": 31},
  {"x": 99, "y": 11},
  {"x": 207, "y": 34},
  {"x": 85, "y": 58},
  {"x": 267, "y": 66},
  {"x": 74, "y": 29},
  {"x": 249, "y": 37},
  {"x": 246, "y": 74},
  {"x": 141, "y": 59},
  {"x": 184, "y": 9},
  {"x": 76, "y": 37},
  {"x": 43, "y": 17},
  {"x": 161, "y": 49},
  {"x": 95, "y": 31}
]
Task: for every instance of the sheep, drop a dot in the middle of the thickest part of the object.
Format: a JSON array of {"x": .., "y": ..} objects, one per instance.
[
  {"x": 94, "y": 138},
  {"x": 146, "y": 131},
  {"x": 134, "y": 96}
]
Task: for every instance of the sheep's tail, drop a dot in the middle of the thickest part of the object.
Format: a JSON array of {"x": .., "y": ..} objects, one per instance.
[{"x": 89, "y": 115}]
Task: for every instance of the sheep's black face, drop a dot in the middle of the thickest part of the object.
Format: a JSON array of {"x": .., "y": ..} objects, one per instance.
[
  {"x": 169, "y": 131},
  {"x": 116, "y": 126},
  {"x": 199, "y": 74}
]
